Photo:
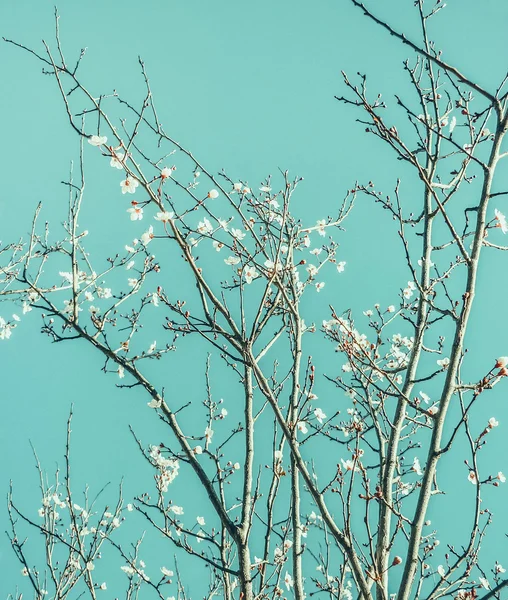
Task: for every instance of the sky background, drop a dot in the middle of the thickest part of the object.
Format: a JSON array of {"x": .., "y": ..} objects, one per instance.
[{"x": 249, "y": 87}]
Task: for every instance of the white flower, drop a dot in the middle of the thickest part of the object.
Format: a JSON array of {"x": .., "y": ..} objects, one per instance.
[
  {"x": 213, "y": 194},
  {"x": 453, "y": 122},
  {"x": 164, "y": 216},
  {"x": 136, "y": 212},
  {"x": 484, "y": 582},
  {"x": 250, "y": 274},
  {"x": 67, "y": 276},
  {"x": 404, "y": 488},
  {"x": 499, "y": 568},
  {"x": 319, "y": 414},
  {"x": 272, "y": 267},
  {"x": 441, "y": 570},
  {"x": 103, "y": 586},
  {"x": 166, "y": 572},
  {"x": 130, "y": 508},
  {"x": 236, "y": 466},
  {"x": 266, "y": 189},
  {"x": 147, "y": 237},
  {"x": 416, "y": 466},
  {"x": 311, "y": 270},
  {"x": 128, "y": 570},
  {"x": 121, "y": 372},
  {"x": 277, "y": 455},
  {"x": 321, "y": 224},
  {"x": 238, "y": 234},
  {"x": 117, "y": 160},
  {"x": 208, "y": 434},
  {"x": 472, "y": 477},
  {"x": 288, "y": 580},
  {"x": 205, "y": 227},
  {"x": 340, "y": 266},
  {"x": 348, "y": 464},
  {"x": 302, "y": 427},
  {"x": 201, "y": 521},
  {"x": 90, "y": 566},
  {"x": 320, "y": 285},
  {"x": 493, "y": 422},
  {"x": 390, "y": 309},
  {"x": 501, "y": 362},
  {"x": 501, "y": 477},
  {"x": 154, "y": 403},
  {"x": 24, "y": 572},
  {"x": 198, "y": 450},
  {"x": 178, "y": 510},
  {"x": 129, "y": 185},
  {"x": 232, "y": 260},
  {"x": 501, "y": 221},
  {"x": 166, "y": 172},
  {"x": 443, "y": 363},
  {"x": 425, "y": 398},
  {"x": 97, "y": 140},
  {"x": 132, "y": 282}
]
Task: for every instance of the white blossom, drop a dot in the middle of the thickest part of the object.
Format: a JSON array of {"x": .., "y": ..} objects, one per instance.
[
  {"x": 288, "y": 580},
  {"x": 117, "y": 160},
  {"x": 164, "y": 216},
  {"x": 205, "y": 227},
  {"x": 501, "y": 221},
  {"x": 147, "y": 236},
  {"x": 250, "y": 273},
  {"x": 319, "y": 414},
  {"x": 232, "y": 260},
  {"x": 97, "y": 140},
  {"x": 443, "y": 362},
  {"x": 136, "y": 212},
  {"x": 129, "y": 185},
  {"x": 238, "y": 234}
]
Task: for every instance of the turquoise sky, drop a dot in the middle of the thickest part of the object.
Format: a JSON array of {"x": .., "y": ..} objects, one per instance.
[{"x": 249, "y": 87}]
